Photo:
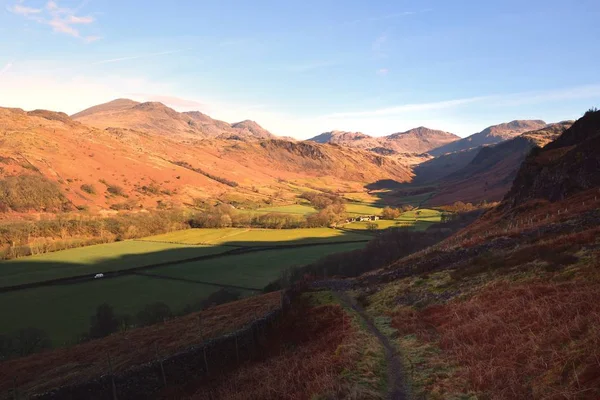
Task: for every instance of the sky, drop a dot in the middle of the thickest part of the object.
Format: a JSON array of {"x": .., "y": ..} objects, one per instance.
[{"x": 300, "y": 68}]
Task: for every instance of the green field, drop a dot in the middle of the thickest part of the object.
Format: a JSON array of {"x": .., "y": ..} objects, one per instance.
[
  {"x": 98, "y": 258},
  {"x": 254, "y": 270},
  {"x": 64, "y": 311},
  {"x": 355, "y": 209},
  {"x": 421, "y": 214},
  {"x": 299, "y": 209},
  {"x": 381, "y": 224},
  {"x": 256, "y": 237}
]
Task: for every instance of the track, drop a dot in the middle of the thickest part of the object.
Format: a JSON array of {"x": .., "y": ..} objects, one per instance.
[{"x": 396, "y": 386}]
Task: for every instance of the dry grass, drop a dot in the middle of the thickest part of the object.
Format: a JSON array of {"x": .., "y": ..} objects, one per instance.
[
  {"x": 530, "y": 340},
  {"x": 306, "y": 362},
  {"x": 44, "y": 371}
]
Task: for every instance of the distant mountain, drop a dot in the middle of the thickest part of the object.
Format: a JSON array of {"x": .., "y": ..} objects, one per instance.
[
  {"x": 128, "y": 168},
  {"x": 418, "y": 140},
  {"x": 491, "y": 135},
  {"x": 252, "y": 129},
  {"x": 484, "y": 173},
  {"x": 154, "y": 117}
]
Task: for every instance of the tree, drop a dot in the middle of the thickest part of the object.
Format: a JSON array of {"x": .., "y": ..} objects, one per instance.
[
  {"x": 390, "y": 213},
  {"x": 30, "y": 340},
  {"x": 104, "y": 322},
  {"x": 372, "y": 226},
  {"x": 153, "y": 314},
  {"x": 6, "y": 347}
]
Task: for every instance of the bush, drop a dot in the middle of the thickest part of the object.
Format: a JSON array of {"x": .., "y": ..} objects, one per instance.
[
  {"x": 321, "y": 201},
  {"x": 31, "y": 192},
  {"x": 104, "y": 322},
  {"x": 390, "y": 213},
  {"x": 88, "y": 188},
  {"x": 116, "y": 190}
]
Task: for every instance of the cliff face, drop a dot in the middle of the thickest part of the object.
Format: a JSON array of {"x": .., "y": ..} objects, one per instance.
[{"x": 568, "y": 165}]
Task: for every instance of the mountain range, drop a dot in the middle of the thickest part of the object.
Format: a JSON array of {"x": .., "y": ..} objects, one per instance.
[
  {"x": 127, "y": 155},
  {"x": 156, "y": 155}
]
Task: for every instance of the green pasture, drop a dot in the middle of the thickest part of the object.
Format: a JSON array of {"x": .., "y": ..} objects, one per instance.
[
  {"x": 257, "y": 237},
  {"x": 64, "y": 311},
  {"x": 254, "y": 270},
  {"x": 96, "y": 259},
  {"x": 298, "y": 209}
]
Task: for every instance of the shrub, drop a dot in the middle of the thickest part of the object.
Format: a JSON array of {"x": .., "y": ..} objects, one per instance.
[
  {"x": 390, "y": 213},
  {"x": 90, "y": 189},
  {"x": 31, "y": 192},
  {"x": 116, "y": 190},
  {"x": 104, "y": 322}
]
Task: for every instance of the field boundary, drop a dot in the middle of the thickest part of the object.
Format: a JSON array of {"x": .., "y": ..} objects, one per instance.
[{"x": 132, "y": 271}]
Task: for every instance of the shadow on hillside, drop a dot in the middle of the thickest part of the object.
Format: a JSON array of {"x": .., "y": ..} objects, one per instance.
[{"x": 393, "y": 193}]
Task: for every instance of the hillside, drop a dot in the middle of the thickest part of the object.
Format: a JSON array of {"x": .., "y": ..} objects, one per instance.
[
  {"x": 418, "y": 140},
  {"x": 132, "y": 169},
  {"x": 156, "y": 118},
  {"x": 489, "y": 173},
  {"x": 490, "y": 135},
  {"x": 505, "y": 308}
]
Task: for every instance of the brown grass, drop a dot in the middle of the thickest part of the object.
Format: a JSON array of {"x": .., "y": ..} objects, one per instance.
[
  {"x": 530, "y": 340},
  {"x": 307, "y": 356},
  {"x": 44, "y": 371}
]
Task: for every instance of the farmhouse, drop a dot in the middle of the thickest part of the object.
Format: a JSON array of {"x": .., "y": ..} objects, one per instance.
[{"x": 363, "y": 218}]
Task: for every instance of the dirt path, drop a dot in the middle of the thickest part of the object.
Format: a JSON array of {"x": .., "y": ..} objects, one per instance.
[{"x": 396, "y": 387}]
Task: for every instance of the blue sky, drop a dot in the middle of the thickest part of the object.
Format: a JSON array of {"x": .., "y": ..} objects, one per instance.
[{"x": 300, "y": 68}]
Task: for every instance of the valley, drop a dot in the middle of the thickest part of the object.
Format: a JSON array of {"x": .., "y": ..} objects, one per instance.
[{"x": 169, "y": 224}]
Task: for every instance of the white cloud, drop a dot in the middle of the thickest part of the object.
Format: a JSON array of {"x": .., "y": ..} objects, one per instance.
[
  {"x": 73, "y": 19},
  {"x": 24, "y": 10},
  {"x": 382, "y": 71},
  {"x": 60, "y": 19}
]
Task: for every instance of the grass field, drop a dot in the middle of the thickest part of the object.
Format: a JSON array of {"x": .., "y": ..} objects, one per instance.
[
  {"x": 95, "y": 259},
  {"x": 355, "y": 209},
  {"x": 256, "y": 237},
  {"x": 299, "y": 209},
  {"x": 381, "y": 224},
  {"x": 422, "y": 214},
  {"x": 64, "y": 311},
  {"x": 254, "y": 269}
]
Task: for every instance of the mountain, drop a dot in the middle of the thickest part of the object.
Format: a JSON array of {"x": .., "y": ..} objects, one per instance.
[
  {"x": 490, "y": 135},
  {"x": 154, "y": 117},
  {"x": 418, "y": 140},
  {"x": 563, "y": 168},
  {"x": 126, "y": 167},
  {"x": 484, "y": 173},
  {"x": 252, "y": 129}
]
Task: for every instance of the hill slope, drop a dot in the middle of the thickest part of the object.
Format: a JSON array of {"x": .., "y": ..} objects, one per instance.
[
  {"x": 505, "y": 308},
  {"x": 136, "y": 168},
  {"x": 491, "y": 169},
  {"x": 490, "y": 135}
]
